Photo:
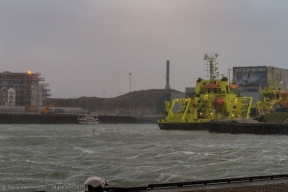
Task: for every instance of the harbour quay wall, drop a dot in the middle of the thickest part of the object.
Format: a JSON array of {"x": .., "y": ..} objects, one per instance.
[
  {"x": 126, "y": 119},
  {"x": 260, "y": 128},
  {"x": 23, "y": 118}
]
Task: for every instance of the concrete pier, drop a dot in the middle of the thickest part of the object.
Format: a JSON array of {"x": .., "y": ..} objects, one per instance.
[
  {"x": 248, "y": 127},
  {"x": 126, "y": 119}
]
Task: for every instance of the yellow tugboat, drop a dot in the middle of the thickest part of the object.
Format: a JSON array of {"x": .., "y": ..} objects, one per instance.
[
  {"x": 270, "y": 98},
  {"x": 214, "y": 99}
]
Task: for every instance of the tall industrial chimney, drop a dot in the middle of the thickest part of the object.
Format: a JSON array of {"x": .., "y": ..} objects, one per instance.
[{"x": 167, "y": 75}]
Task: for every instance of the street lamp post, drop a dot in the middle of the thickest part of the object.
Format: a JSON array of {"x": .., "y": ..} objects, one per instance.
[
  {"x": 80, "y": 101},
  {"x": 130, "y": 91},
  {"x": 87, "y": 105},
  {"x": 104, "y": 101}
]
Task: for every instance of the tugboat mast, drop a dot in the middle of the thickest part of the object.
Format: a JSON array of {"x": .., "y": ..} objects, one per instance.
[
  {"x": 229, "y": 70},
  {"x": 211, "y": 66}
]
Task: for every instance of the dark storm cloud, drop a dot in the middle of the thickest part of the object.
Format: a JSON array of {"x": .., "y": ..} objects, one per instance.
[{"x": 88, "y": 47}]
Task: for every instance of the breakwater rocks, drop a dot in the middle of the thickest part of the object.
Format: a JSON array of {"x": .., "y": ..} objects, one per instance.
[{"x": 23, "y": 118}]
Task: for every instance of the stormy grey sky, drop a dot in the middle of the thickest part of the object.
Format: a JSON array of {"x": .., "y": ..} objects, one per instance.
[{"x": 89, "y": 47}]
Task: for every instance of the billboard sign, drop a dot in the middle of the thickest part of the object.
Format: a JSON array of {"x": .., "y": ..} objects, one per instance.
[{"x": 250, "y": 76}]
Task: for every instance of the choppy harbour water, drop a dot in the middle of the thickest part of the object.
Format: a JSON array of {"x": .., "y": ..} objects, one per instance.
[{"x": 55, "y": 157}]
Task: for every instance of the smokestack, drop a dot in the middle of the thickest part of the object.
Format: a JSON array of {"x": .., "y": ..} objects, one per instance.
[{"x": 167, "y": 75}]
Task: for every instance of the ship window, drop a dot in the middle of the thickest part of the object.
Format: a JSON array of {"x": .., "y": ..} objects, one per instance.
[
  {"x": 277, "y": 96},
  {"x": 250, "y": 90},
  {"x": 204, "y": 91},
  {"x": 270, "y": 95},
  {"x": 217, "y": 90}
]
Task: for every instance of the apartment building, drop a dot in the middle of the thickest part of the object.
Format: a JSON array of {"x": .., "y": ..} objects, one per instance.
[{"x": 22, "y": 89}]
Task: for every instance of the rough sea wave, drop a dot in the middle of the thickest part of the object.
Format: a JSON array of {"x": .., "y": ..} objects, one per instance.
[{"x": 54, "y": 157}]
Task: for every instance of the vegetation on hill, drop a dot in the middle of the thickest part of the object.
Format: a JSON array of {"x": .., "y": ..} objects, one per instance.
[{"x": 140, "y": 101}]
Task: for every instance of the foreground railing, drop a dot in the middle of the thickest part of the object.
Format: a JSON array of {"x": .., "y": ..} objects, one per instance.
[{"x": 200, "y": 183}]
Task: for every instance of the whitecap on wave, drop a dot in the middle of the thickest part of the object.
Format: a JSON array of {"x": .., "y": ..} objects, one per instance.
[
  {"x": 84, "y": 150},
  {"x": 34, "y": 162},
  {"x": 4, "y": 137},
  {"x": 188, "y": 152},
  {"x": 133, "y": 157}
]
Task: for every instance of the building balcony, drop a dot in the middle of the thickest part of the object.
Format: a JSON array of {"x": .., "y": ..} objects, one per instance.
[{"x": 46, "y": 94}]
